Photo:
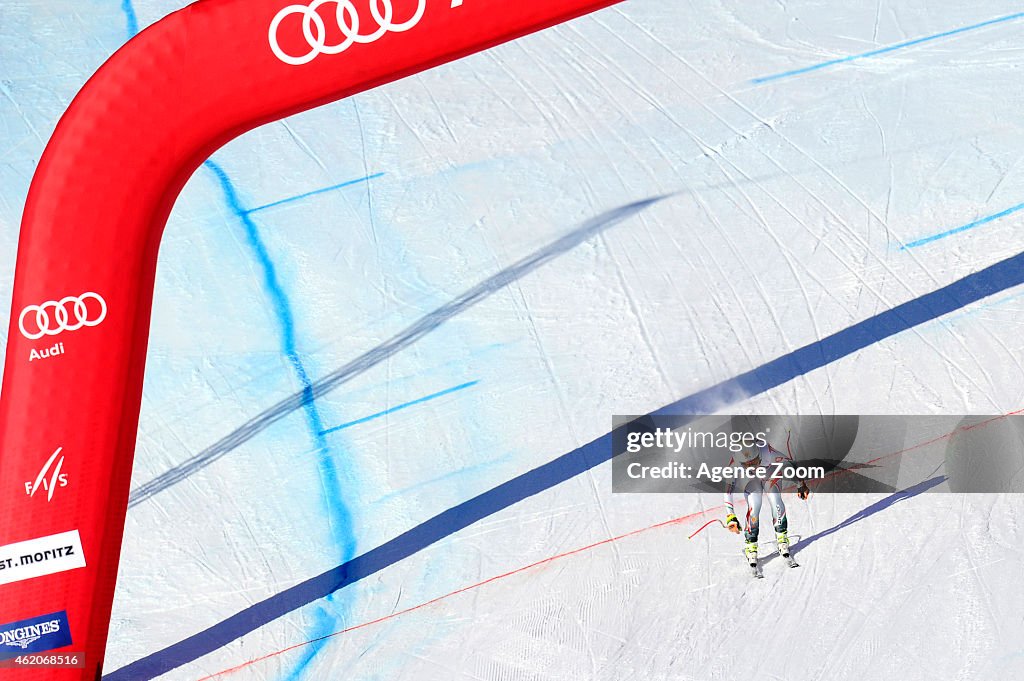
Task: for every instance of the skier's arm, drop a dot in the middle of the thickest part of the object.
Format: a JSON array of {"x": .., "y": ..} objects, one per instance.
[
  {"x": 802, "y": 490},
  {"x": 732, "y": 523}
]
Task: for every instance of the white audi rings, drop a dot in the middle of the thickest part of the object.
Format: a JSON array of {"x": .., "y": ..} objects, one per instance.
[
  {"x": 43, "y": 323},
  {"x": 315, "y": 31}
]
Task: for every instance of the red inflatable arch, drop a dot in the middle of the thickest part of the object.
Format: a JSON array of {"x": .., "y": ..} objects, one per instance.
[{"x": 87, "y": 255}]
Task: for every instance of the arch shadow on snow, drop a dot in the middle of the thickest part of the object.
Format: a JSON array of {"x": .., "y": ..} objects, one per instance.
[{"x": 403, "y": 339}]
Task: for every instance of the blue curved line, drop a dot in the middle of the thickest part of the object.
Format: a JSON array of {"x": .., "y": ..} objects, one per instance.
[
  {"x": 972, "y": 288},
  {"x": 339, "y": 518}
]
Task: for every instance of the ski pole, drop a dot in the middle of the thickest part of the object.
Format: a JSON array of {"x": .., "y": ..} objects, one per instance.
[{"x": 716, "y": 520}]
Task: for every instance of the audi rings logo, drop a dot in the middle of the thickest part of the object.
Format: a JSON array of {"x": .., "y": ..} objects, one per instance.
[
  {"x": 67, "y": 314},
  {"x": 314, "y": 29}
]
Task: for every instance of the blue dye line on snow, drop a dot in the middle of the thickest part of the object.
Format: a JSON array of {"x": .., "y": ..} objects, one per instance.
[
  {"x": 963, "y": 228},
  {"x": 972, "y": 288},
  {"x": 884, "y": 50},
  {"x": 339, "y": 517},
  {"x": 130, "y": 17},
  {"x": 400, "y": 407},
  {"x": 317, "y": 191}
]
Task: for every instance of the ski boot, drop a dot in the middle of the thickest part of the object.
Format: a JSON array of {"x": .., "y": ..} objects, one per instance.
[
  {"x": 750, "y": 551},
  {"x": 782, "y": 538}
]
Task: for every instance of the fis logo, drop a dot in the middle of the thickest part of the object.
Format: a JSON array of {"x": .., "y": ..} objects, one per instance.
[
  {"x": 35, "y": 635},
  {"x": 49, "y": 478}
]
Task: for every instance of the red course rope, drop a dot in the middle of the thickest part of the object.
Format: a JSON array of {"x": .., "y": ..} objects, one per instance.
[{"x": 574, "y": 552}]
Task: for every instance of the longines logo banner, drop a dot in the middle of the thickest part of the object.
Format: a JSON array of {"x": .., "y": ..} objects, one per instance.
[
  {"x": 837, "y": 454},
  {"x": 35, "y": 635}
]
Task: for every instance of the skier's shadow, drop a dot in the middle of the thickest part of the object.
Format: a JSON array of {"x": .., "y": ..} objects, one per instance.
[{"x": 874, "y": 508}]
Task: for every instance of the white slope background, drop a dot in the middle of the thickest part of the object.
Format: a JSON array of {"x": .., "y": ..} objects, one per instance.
[{"x": 787, "y": 203}]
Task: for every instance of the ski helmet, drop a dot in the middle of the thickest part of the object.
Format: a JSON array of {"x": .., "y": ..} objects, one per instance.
[{"x": 748, "y": 455}]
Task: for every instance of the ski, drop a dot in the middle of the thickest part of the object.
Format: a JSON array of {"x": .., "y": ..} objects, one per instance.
[{"x": 755, "y": 565}]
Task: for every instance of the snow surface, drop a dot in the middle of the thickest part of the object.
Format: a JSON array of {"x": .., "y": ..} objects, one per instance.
[{"x": 782, "y": 209}]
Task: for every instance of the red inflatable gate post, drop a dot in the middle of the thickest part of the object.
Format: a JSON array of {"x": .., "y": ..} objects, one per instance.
[{"x": 87, "y": 256}]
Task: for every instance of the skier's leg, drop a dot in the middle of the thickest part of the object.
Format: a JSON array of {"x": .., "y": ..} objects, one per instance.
[
  {"x": 780, "y": 523},
  {"x": 750, "y": 528},
  {"x": 778, "y": 510}
]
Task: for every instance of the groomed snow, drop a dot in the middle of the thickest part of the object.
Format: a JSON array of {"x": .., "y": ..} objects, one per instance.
[{"x": 783, "y": 209}]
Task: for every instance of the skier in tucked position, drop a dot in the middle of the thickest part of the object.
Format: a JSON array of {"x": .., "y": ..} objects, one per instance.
[{"x": 753, "y": 491}]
